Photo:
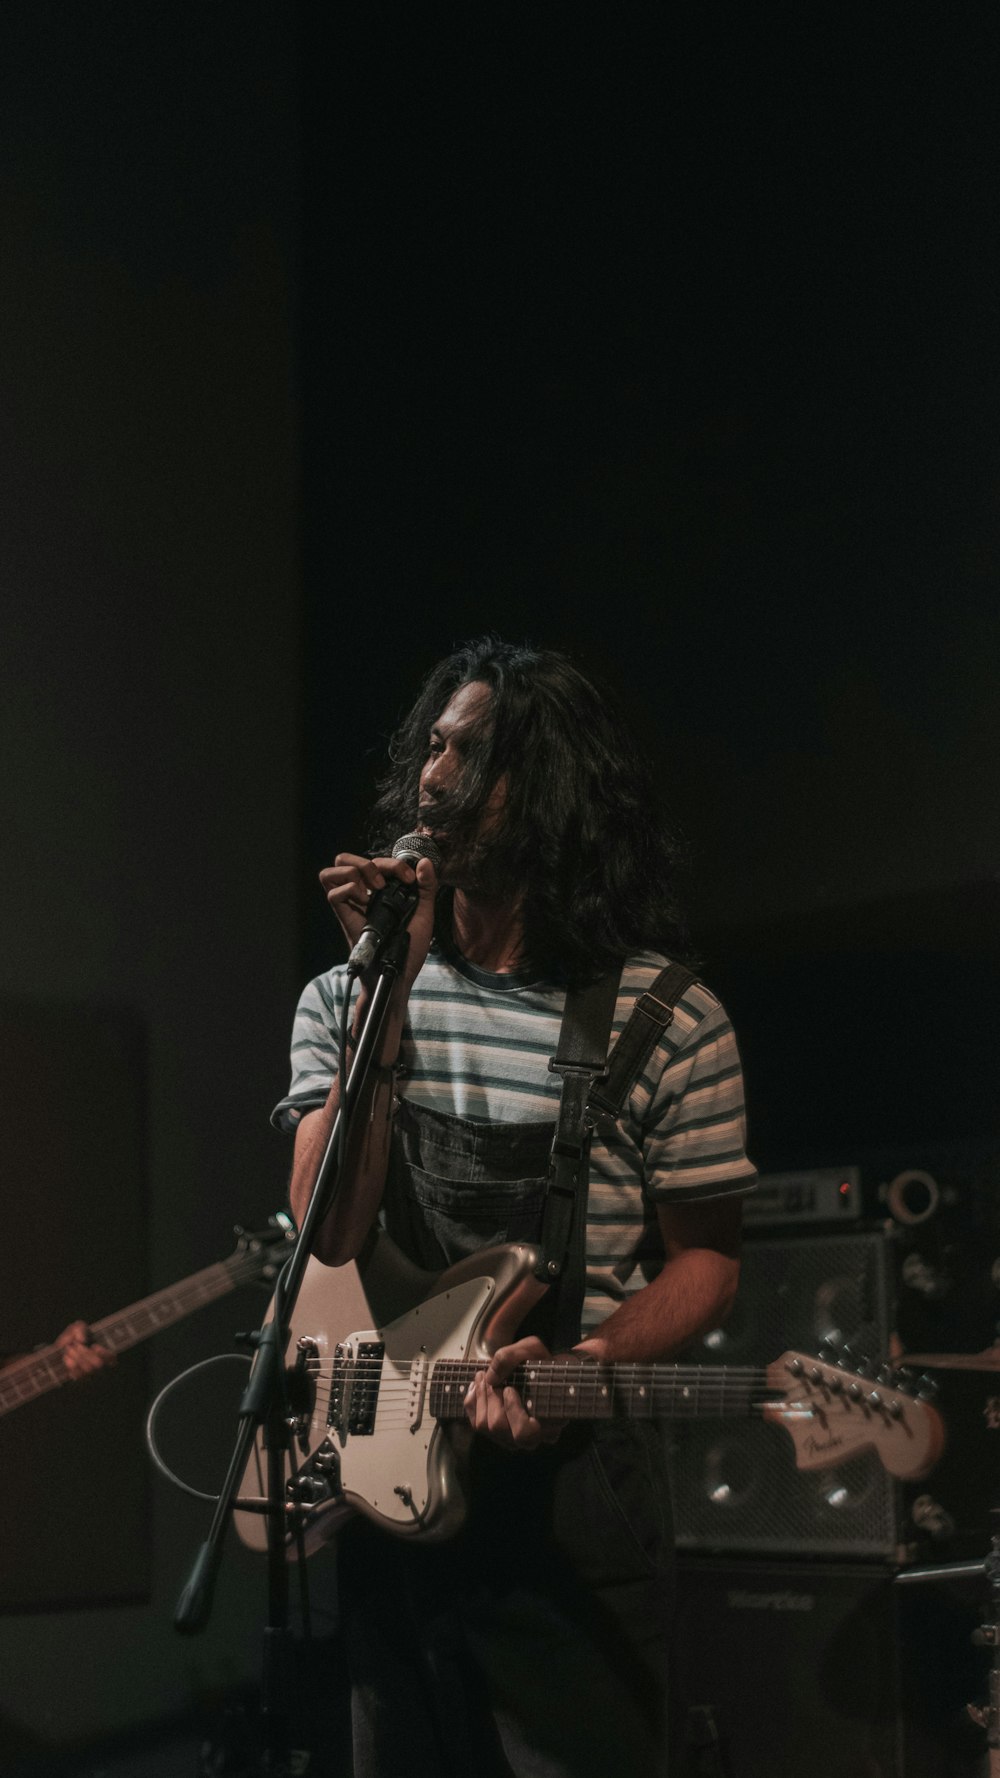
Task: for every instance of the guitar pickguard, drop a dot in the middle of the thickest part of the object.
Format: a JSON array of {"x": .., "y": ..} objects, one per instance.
[{"x": 391, "y": 1472}]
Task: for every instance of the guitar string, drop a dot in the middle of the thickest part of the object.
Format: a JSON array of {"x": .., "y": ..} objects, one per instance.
[
  {"x": 587, "y": 1379},
  {"x": 690, "y": 1390},
  {"x": 655, "y": 1367},
  {"x": 400, "y": 1401},
  {"x": 404, "y": 1407},
  {"x": 554, "y": 1385},
  {"x": 685, "y": 1387}
]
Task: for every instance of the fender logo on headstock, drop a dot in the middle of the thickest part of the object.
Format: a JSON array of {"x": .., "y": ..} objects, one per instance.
[{"x": 816, "y": 1446}]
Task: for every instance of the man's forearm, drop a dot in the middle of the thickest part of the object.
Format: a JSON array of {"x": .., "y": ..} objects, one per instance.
[
  {"x": 359, "y": 1194},
  {"x": 693, "y": 1293}
]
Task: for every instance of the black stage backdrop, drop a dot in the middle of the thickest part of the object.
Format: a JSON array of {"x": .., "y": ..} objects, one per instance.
[{"x": 671, "y": 341}]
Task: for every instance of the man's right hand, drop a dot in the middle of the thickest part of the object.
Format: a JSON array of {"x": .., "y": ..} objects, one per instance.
[{"x": 349, "y": 884}]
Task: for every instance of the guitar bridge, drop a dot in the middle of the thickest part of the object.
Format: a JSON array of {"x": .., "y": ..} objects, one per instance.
[{"x": 357, "y": 1373}]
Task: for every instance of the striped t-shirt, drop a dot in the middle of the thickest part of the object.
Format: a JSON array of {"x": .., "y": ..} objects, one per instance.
[{"x": 478, "y": 1046}]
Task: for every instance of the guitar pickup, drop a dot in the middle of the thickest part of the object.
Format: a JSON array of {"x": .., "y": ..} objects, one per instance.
[{"x": 357, "y": 1372}]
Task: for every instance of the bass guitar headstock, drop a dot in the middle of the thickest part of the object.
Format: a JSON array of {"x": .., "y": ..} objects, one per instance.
[{"x": 261, "y": 1253}]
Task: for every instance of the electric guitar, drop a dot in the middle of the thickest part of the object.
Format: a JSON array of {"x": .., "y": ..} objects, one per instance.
[
  {"x": 258, "y": 1258},
  {"x": 382, "y": 1354}
]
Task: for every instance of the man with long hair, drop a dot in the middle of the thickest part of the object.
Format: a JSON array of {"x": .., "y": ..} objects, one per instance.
[{"x": 535, "y": 1642}]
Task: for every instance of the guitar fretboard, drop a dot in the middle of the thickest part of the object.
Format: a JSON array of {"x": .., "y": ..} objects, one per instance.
[{"x": 585, "y": 1391}]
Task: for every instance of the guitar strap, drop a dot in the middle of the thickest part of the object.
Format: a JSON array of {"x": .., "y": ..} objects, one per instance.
[
  {"x": 592, "y": 1082},
  {"x": 652, "y": 1013}
]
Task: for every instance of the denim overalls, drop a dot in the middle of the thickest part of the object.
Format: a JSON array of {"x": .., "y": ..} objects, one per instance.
[{"x": 534, "y": 1642}]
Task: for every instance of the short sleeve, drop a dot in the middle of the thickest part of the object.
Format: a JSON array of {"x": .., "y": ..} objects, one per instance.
[
  {"x": 315, "y": 1049},
  {"x": 695, "y": 1127}
]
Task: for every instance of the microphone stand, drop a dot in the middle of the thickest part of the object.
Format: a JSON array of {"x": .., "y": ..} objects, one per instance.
[{"x": 264, "y": 1404}]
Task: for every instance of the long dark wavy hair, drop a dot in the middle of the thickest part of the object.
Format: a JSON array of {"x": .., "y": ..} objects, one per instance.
[{"x": 580, "y": 834}]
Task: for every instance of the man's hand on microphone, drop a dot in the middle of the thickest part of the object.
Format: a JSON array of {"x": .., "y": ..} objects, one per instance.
[{"x": 349, "y": 884}]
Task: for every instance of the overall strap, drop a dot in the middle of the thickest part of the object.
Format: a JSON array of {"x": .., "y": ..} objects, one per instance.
[
  {"x": 652, "y": 1013},
  {"x": 581, "y": 1059}
]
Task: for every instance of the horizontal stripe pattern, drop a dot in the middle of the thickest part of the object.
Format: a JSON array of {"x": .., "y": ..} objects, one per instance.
[{"x": 478, "y": 1052}]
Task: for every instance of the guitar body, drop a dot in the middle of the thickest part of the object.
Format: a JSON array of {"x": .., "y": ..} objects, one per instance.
[{"x": 365, "y": 1337}]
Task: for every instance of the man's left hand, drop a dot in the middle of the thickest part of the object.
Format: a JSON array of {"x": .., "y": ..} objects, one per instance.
[
  {"x": 494, "y": 1407},
  {"x": 81, "y": 1356}
]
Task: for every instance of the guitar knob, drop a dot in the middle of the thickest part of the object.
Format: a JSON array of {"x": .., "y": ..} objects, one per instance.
[
  {"x": 308, "y": 1489},
  {"x": 795, "y": 1367},
  {"x": 854, "y": 1391},
  {"x": 894, "y": 1408},
  {"x": 874, "y": 1399},
  {"x": 835, "y": 1383},
  {"x": 815, "y": 1374}
]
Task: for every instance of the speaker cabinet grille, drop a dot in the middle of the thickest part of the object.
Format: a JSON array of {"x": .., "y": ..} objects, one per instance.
[{"x": 736, "y": 1487}]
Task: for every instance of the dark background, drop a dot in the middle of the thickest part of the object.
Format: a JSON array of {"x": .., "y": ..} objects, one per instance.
[{"x": 334, "y": 336}]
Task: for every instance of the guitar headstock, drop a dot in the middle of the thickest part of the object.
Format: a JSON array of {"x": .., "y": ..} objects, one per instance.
[
  {"x": 832, "y": 1413},
  {"x": 261, "y": 1253}
]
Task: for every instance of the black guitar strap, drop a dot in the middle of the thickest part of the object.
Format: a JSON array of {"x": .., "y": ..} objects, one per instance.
[
  {"x": 652, "y": 1013},
  {"x": 581, "y": 1058},
  {"x": 592, "y": 1083}
]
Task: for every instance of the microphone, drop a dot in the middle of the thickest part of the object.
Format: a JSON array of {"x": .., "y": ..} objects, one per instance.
[{"x": 391, "y": 908}]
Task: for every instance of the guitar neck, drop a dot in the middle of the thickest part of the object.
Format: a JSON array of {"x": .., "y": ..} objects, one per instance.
[
  {"x": 558, "y": 1390},
  {"x": 41, "y": 1371}
]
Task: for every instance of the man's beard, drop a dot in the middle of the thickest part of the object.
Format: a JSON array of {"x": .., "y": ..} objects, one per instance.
[{"x": 477, "y": 864}]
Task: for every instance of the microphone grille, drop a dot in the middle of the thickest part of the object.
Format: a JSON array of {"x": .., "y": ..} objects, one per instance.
[{"x": 417, "y": 845}]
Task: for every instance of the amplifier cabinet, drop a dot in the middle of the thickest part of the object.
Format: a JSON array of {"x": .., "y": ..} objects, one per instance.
[
  {"x": 812, "y": 1670},
  {"x": 735, "y": 1484}
]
